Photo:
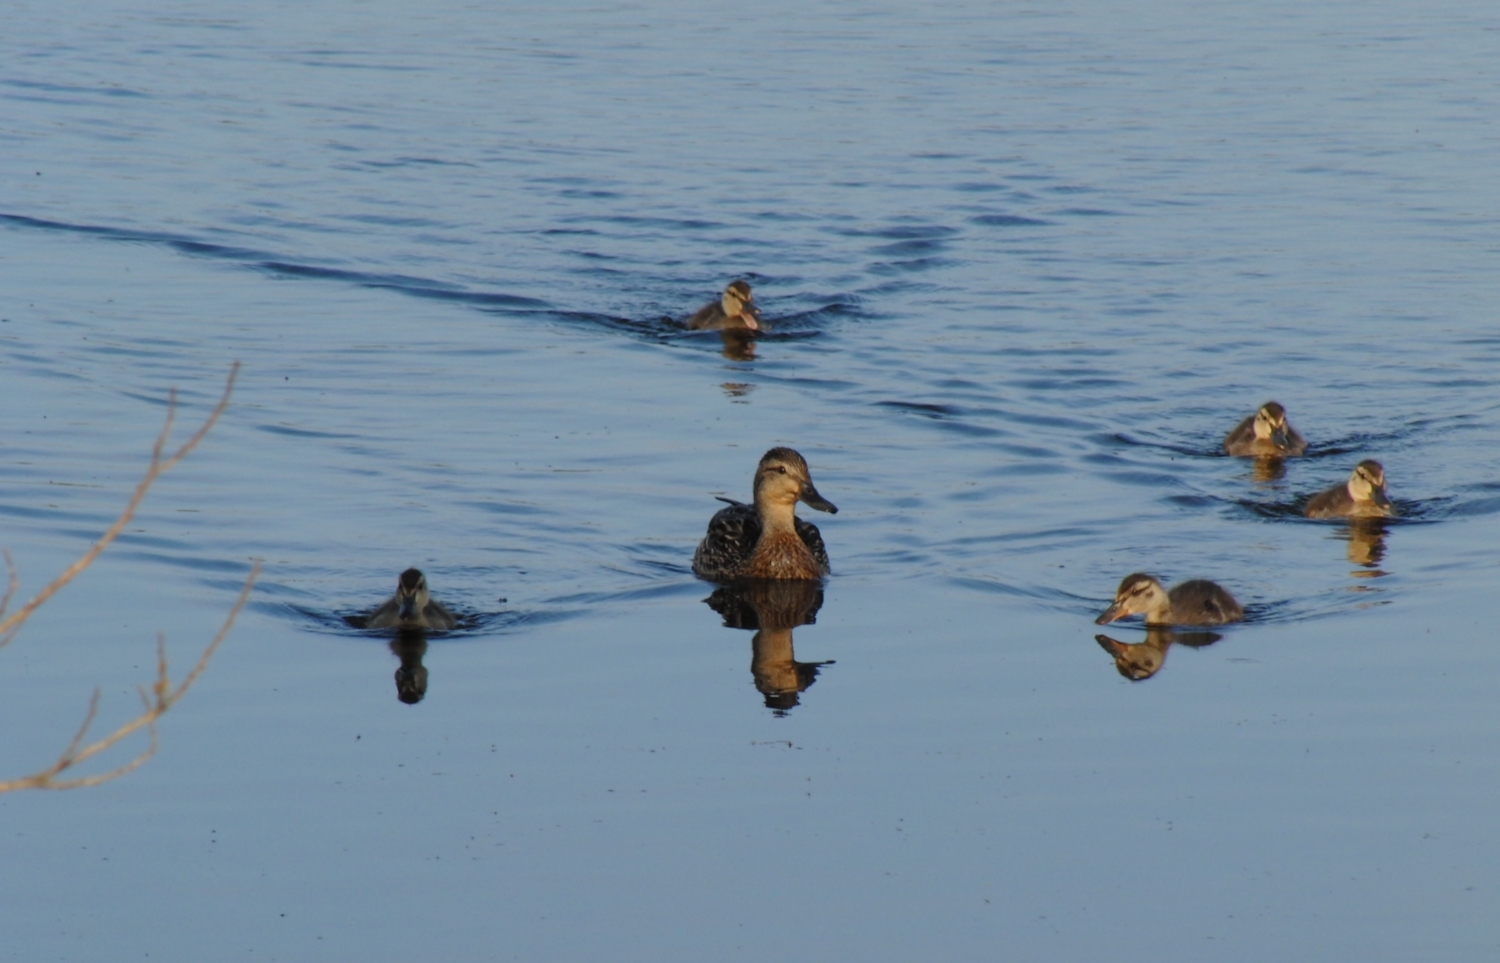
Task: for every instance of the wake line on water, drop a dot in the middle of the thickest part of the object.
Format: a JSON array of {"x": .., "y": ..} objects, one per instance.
[
  {"x": 279, "y": 267},
  {"x": 658, "y": 329}
]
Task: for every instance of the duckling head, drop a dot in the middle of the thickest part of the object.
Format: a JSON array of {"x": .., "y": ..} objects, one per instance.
[
  {"x": 738, "y": 302},
  {"x": 1367, "y": 484},
  {"x": 782, "y": 478},
  {"x": 1270, "y": 424},
  {"x": 1138, "y": 594},
  {"x": 411, "y": 595}
]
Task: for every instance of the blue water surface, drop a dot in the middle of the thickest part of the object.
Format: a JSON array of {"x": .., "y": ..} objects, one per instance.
[{"x": 1022, "y": 265}]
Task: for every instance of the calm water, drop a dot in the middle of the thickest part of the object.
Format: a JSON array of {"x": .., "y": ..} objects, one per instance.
[{"x": 1024, "y": 266}]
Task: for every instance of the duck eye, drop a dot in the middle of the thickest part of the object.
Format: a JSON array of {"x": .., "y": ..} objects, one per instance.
[{"x": 781, "y": 468}]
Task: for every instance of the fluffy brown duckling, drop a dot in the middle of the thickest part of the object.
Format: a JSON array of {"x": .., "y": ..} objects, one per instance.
[
  {"x": 767, "y": 539},
  {"x": 1198, "y": 602},
  {"x": 735, "y": 310},
  {"x": 1362, "y": 496},
  {"x": 411, "y": 607},
  {"x": 1265, "y": 434}
]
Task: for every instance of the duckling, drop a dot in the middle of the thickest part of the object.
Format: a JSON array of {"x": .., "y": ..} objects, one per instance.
[
  {"x": 767, "y": 540},
  {"x": 735, "y": 310},
  {"x": 411, "y": 607},
  {"x": 1198, "y": 602},
  {"x": 1362, "y": 496},
  {"x": 1265, "y": 433}
]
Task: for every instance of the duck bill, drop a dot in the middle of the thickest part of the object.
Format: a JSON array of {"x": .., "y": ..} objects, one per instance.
[
  {"x": 814, "y": 500},
  {"x": 1280, "y": 440},
  {"x": 1109, "y": 615},
  {"x": 749, "y": 317},
  {"x": 1379, "y": 497},
  {"x": 407, "y": 611}
]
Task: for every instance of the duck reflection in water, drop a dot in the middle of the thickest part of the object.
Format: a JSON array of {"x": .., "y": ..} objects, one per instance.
[
  {"x": 1141, "y": 660},
  {"x": 739, "y": 344},
  {"x": 1366, "y": 545},
  {"x": 1268, "y": 469},
  {"x": 411, "y": 677},
  {"x": 773, "y": 607}
]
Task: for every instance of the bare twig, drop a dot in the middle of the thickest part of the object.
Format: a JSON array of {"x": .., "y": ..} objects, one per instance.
[
  {"x": 162, "y": 695},
  {"x": 158, "y": 465},
  {"x": 12, "y": 584}
]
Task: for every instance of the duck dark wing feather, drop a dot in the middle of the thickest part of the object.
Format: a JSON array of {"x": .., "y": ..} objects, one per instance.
[
  {"x": 732, "y": 534},
  {"x": 1241, "y": 437}
]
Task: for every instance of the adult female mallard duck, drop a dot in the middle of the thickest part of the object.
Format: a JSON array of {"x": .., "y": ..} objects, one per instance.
[
  {"x": 767, "y": 539},
  {"x": 1198, "y": 602},
  {"x": 1362, "y": 496},
  {"x": 411, "y": 607},
  {"x": 735, "y": 310},
  {"x": 1265, "y": 434}
]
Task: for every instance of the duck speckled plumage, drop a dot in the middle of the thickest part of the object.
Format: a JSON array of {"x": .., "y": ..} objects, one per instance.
[
  {"x": 411, "y": 607},
  {"x": 1265, "y": 434},
  {"x": 1362, "y": 496},
  {"x": 767, "y": 539},
  {"x": 735, "y": 310},
  {"x": 1198, "y": 602}
]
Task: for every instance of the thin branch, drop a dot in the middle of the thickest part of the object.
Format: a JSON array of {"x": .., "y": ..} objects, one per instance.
[
  {"x": 163, "y": 697},
  {"x": 162, "y": 694},
  {"x": 11, "y": 625},
  {"x": 13, "y": 584}
]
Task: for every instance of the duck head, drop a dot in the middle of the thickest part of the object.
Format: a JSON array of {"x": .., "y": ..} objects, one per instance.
[
  {"x": 1138, "y": 594},
  {"x": 1270, "y": 424},
  {"x": 411, "y": 595},
  {"x": 739, "y": 303},
  {"x": 782, "y": 478},
  {"x": 1367, "y": 484}
]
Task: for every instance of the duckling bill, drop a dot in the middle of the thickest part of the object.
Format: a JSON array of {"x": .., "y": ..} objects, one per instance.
[
  {"x": 767, "y": 539},
  {"x": 411, "y": 607},
  {"x": 1196, "y": 602},
  {"x": 1362, "y": 496},
  {"x": 1264, "y": 434},
  {"x": 735, "y": 310}
]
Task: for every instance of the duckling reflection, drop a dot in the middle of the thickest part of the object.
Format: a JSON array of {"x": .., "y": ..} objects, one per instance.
[
  {"x": 1141, "y": 660},
  {"x": 1362, "y": 496},
  {"x": 739, "y": 344},
  {"x": 735, "y": 310},
  {"x": 411, "y": 677},
  {"x": 773, "y": 608},
  {"x": 1265, "y": 434},
  {"x": 1366, "y": 545},
  {"x": 411, "y": 608},
  {"x": 1268, "y": 469},
  {"x": 767, "y": 540},
  {"x": 1196, "y": 602}
]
